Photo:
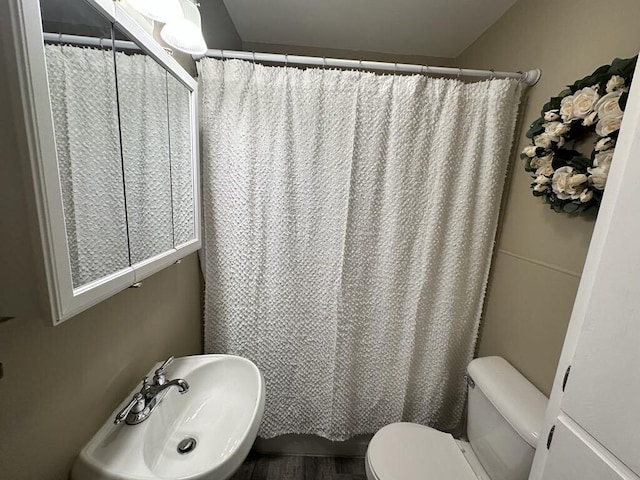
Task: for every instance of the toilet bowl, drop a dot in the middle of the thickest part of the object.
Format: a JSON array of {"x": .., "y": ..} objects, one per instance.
[{"x": 505, "y": 414}]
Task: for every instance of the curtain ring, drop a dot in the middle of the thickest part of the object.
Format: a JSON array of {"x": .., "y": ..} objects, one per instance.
[
  {"x": 253, "y": 54},
  {"x": 493, "y": 74},
  {"x": 360, "y": 63},
  {"x": 286, "y": 59},
  {"x": 395, "y": 68},
  {"x": 459, "y": 73},
  {"x": 222, "y": 54}
]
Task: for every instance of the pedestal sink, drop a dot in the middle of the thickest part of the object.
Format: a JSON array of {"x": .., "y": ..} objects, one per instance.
[{"x": 204, "y": 434}]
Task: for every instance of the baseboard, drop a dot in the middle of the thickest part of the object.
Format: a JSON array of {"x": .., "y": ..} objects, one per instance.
[{"x": 312, "y": 445}]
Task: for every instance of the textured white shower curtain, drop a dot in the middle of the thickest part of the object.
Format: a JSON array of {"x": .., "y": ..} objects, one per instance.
[
  {"x": 82, "y": 86},
  {"x": 349, "y": 225}
]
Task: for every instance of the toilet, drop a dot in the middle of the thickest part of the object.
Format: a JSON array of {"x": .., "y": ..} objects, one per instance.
[{"x": 505, "y": 415}]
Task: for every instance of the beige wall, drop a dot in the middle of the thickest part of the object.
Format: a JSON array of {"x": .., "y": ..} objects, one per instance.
[
  {"x": 62, "y": 383},
  {"x": 541, "y": 253}
]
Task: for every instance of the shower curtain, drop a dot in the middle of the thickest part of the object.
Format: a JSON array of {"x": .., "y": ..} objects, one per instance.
[
  {"x": 82, "y": 86},
  {"x": 349, "y": 224}
]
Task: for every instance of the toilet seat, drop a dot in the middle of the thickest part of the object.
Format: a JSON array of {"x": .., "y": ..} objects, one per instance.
[{"x": 408, "y": 451}]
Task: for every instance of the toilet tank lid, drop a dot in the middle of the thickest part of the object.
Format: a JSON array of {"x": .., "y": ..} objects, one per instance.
[{"x": 516, "y": 399}]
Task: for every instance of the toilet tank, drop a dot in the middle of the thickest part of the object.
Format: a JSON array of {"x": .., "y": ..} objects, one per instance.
[{"x": 505, "y": 415}]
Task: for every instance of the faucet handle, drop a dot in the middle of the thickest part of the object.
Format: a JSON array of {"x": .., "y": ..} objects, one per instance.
[
  {"x": 159, "y": 377},
  {"x": 136, "y": 405},
  {"x": 166, "y": 363}
]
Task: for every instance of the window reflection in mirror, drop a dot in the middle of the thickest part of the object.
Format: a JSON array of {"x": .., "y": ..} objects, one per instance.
[
  {"x": 144, "y": 126},
  {"x": 82, "y": 87},
  {"x": 181, "y": 160}
]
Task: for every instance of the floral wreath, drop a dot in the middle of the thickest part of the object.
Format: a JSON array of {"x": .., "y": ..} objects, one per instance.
[{"x": 566, "y": 179}]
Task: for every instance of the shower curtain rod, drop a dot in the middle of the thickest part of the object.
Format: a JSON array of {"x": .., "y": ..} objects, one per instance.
[
  {"x": 89, "y": 41},
  {"x": 529, "y": 77}
]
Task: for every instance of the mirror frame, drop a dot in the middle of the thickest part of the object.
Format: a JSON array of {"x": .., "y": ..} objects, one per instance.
[{"x": 64, "y": 301}]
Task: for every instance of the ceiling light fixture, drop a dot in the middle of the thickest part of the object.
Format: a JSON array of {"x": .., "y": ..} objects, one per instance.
[{"x": 185, "y": 32}]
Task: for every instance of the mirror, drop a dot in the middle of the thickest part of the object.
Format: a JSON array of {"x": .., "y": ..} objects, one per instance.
[
  {"x": 180, "y": 129},
  {"x": 144, "y": 127},
  {"x": 82, "y": 89}
]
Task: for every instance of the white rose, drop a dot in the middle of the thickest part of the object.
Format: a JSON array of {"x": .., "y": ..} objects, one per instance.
[
  {"x": 584, "y": 101},
  {"x": 551, "y": 115},
  {"x": 542, "y": 180},
  {"x": 609, "y": 106},
  {"x": 543, "y": 140},
  {"x": 555, "y": 129},
  {"x": 598, "y": 178},
  {"x": 577, "y": 179},
  {"x": 605, "y": 144},
  {"x": 530, "y": 151},
  {"x": 590, "y": 119},
  {"x": 603, "y": 159},
  {"x": 542, "y": 162},
  {"x": 540, "y": 188},
  {"x": 546, "y": 170},
  {"x": 565, "y": 186},
  {"x": 615, "y": 83},
  {"x": 606, "y": 126},
  {"x": 566, "y": 109},
  {"x": 586, "y": 195}
]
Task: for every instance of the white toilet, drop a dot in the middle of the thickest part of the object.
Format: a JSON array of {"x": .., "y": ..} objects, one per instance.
[{"x": 505, "y": 415}]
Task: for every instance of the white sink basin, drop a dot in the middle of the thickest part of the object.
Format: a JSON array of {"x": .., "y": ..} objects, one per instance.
[{"x": 222, "y": 411}]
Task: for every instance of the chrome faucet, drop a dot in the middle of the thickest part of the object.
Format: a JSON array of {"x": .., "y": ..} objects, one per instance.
[{"x": 149, "y": 396}]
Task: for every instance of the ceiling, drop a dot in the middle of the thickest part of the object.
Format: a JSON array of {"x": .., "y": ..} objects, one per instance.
[{"x": 439, "y": 28}]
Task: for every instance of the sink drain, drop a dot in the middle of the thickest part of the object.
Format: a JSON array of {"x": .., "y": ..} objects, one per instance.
[{"x": 187, "y": 445}]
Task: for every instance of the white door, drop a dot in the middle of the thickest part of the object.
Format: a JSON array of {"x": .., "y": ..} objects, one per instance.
[
  {"x": 596, "y": 414},
  {"x": 575, "y": 456}
]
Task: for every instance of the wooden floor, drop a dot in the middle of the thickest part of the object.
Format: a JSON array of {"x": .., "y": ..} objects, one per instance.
[{"x": 285, "y": 467}]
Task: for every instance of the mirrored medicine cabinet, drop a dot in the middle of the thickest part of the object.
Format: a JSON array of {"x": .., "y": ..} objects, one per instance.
[{"x": 114, "y": 150}]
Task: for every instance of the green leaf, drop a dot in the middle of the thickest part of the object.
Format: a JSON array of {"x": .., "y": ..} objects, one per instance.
[
  {"x": 527, "y": 165},
  {"x": 580, "y": 163},
  {"x": 623, "y": 67},
  {"x": 564, "y": 93},
  {"x": 566, "y": 154},
  {"x": 557, "y": 163},
  {"x": 602, "y": 69},
  {"x": 538, "y": 121},
  {"x": 570, "y": 207},
  {"x": 616, "y": 61},
  {"x": 554, "y": 103},
  {"x": 535, "y": 130}
]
